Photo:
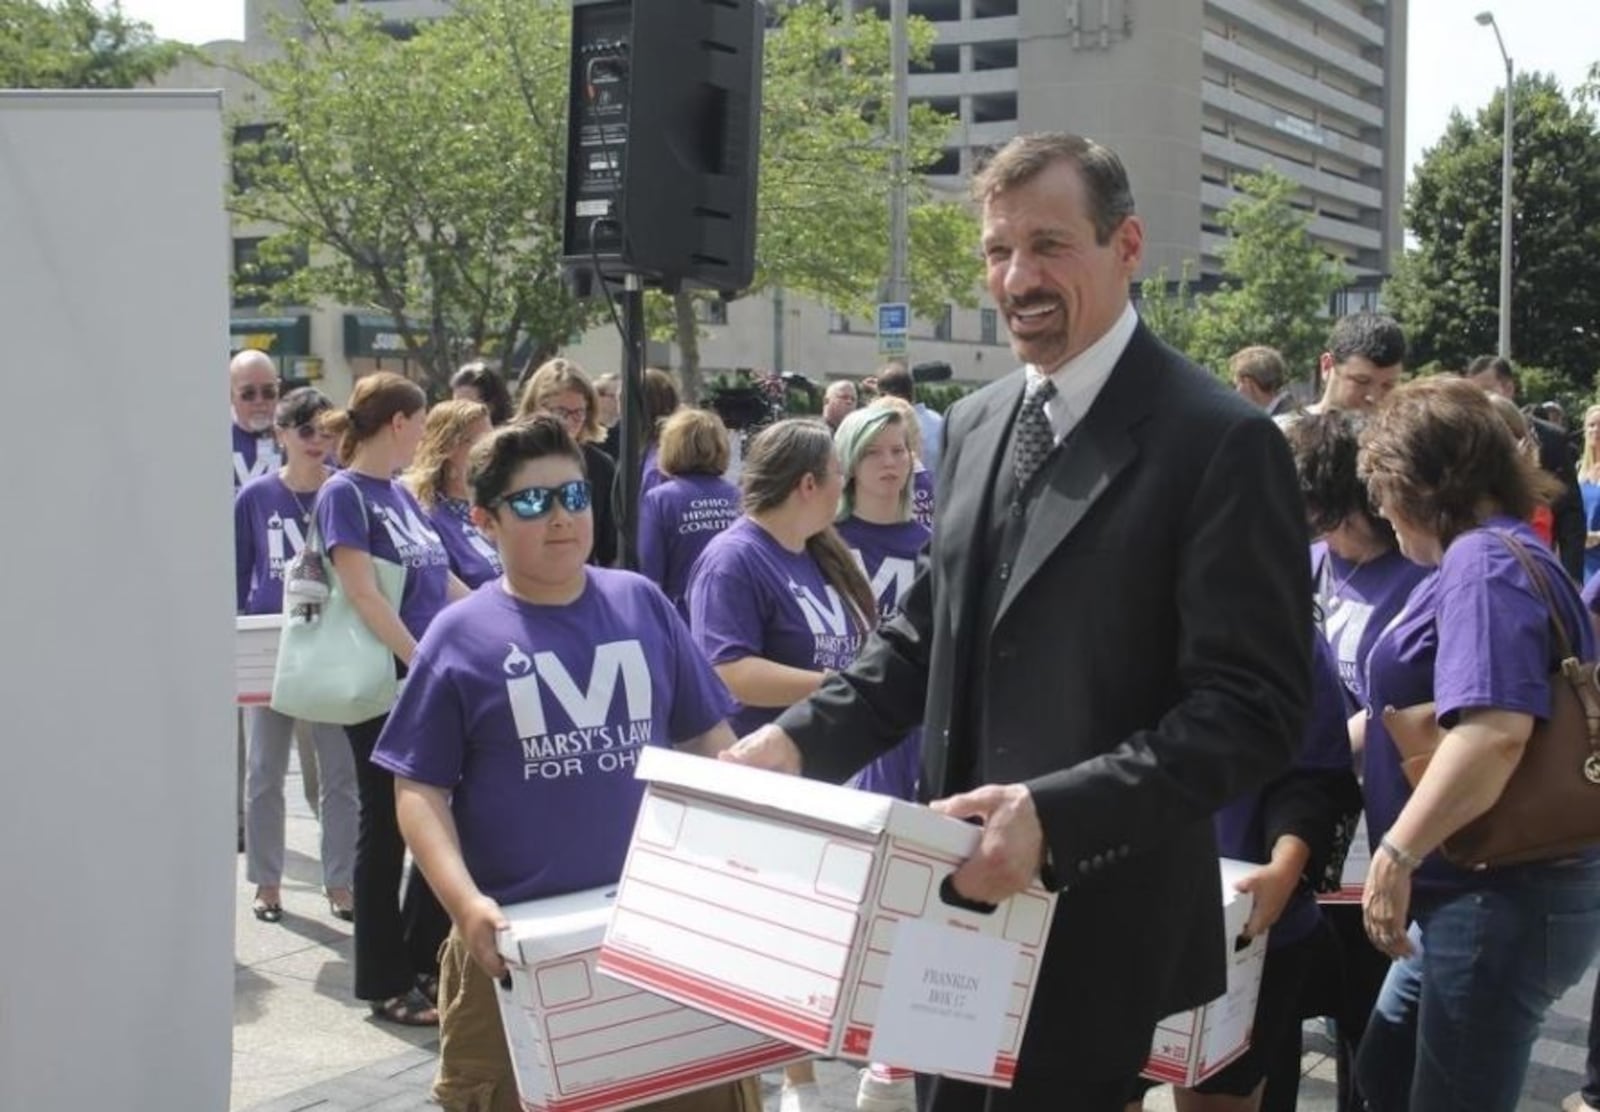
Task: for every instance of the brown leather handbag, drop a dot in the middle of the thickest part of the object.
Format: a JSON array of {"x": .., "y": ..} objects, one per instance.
[{"x": 1550, "y": 807}]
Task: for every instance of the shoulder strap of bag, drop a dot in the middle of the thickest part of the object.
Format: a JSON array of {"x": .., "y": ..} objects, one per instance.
[
  {"x": 314, "y": 534},
  {"x": 1541, "y": 583}
]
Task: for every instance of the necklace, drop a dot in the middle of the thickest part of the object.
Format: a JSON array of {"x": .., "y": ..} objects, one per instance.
[{"x": 305, "y": 510}]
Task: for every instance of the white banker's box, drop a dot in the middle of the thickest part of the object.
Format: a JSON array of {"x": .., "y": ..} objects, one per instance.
[
  {"x": 1192, "y": 1046},
  {"x": 581, "y": 1042},
  {"x": 815, "y": 914},
  {"x": 255, "y": 657}
]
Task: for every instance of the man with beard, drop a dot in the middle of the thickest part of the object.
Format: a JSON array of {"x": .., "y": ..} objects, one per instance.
[
  {"x": 253, "y": 382},
  {"x": 1108, "y": 639}
]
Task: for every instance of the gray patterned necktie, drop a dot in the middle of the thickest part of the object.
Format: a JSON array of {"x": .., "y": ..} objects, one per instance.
[{"x": 1034, "y": 438}]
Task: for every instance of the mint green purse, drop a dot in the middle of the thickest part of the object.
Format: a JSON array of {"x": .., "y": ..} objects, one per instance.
[{"x": 331, "y": 667}]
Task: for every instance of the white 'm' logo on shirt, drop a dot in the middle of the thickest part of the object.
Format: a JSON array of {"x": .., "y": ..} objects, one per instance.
[
  {"x": 1346, "y": 623},
  {"x": 587, "y": 707},
  {"x": 892, "y": 581},
  {"x": 284, "y": 539},
  {"x": 825, "y": 616}
]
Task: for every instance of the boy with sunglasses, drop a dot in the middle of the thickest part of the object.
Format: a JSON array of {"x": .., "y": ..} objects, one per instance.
[
  {"x": 514, "y": 741},
  {"x": 253, "y": 390}
]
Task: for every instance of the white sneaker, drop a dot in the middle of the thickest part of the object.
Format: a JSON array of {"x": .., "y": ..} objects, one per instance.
[
  {"x": 801, "y": 1098},
  {"x": 1574, "y": 1102},
  {"x": 875, "y": 1095}
]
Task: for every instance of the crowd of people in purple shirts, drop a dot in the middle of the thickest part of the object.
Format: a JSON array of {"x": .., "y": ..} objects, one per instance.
[{"x": 534, "y": 669}]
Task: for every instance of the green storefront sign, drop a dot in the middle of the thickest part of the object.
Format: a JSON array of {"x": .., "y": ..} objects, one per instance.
[
  {"x": 277, "y": 336},
  {"x": 376, "y": 337}
]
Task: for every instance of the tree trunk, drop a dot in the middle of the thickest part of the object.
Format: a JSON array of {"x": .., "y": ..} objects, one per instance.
[{"x": 688, "y": 338}]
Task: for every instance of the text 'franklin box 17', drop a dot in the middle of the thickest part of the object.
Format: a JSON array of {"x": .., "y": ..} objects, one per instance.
[
  {"x": 821, "y": 915},
  {"x": 582, "y": 1042}
]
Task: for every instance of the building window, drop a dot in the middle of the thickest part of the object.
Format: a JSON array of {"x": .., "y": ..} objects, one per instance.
[
  {"x": 253, "y": 275},
  {"x": 255, "y": 144},
  {"x": 837, "y": 321},
  {"x": 711, "y": 310},
  {"x": 942, "y": 328},
  {"x": 989, "y": 326}
]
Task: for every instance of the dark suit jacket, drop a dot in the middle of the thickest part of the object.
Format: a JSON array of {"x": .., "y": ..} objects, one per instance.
[
  {"x": 1571, "y": 528},
  {"x": 1149, "y": 662}
]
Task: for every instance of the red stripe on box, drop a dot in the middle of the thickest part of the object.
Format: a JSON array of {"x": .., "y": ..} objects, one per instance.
[
  {"x": 743, "y": 911},
  {"x": 668, "y": 1083},
  {"x": 747, "y": 1011},
  {"x": 1165, "y": 1071}
]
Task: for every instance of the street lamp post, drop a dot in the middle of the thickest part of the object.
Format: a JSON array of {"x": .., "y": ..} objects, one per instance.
[{"x": 1486, "y": 19}]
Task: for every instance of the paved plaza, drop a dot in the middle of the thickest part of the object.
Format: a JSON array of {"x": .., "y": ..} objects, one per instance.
[{"x": 301, "y": 1043}]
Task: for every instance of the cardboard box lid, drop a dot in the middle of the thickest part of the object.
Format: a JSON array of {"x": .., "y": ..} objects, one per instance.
[
  {"x": 556, "y": 926},
  {"x": 245, "y": 623},
  {"x": 770, "y": 792}
]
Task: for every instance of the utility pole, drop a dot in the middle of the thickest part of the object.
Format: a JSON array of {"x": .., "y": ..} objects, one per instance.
[
  {"x": 1486, "y": 19},
  {"x": 899, "y": 288}
]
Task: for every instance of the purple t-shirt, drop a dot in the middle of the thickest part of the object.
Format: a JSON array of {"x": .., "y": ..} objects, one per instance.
[
  {"x": 650, "y": 475},
  {"x": 750, "y": 596},
  {"x": 1325, "y": 747},
  {"x": 533, "y": 717},
  {"x": 254, "y": 455},
  {"x": 381, "y": 518},
  {"x": 677, "y": 519},
  {"x": 922, "y": 497},
  {"x": 1474, "y": 634},
  {"x": 1357, "y": 601},
  {"x": 270, "y": 525},
  {"x": 473, "y": 557},
  {"x": 888, "y": 556}
]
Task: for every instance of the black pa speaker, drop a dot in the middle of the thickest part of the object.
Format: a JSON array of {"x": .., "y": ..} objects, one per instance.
[{"x": 662, "y": 139}]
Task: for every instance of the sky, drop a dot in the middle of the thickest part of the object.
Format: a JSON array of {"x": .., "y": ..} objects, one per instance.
[{"x": 1451, "y": 61}]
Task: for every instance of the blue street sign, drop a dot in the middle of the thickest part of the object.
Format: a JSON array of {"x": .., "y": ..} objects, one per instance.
[{"x": 894, "y": 316}]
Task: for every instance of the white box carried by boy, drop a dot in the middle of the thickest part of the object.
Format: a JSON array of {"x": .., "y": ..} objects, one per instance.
[
  {"x": 581, "y": 1042},
  {"x": 820, "y": 915},
  {"x": 255, "y": 657},
  {"x": 1193, "y": 1045}
]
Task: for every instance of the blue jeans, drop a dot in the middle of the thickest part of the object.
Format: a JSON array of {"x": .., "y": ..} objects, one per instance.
[{"x": 1455, "y": 1023}]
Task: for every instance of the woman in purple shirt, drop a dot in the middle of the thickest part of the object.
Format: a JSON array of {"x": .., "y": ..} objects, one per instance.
[
  {"x": 777, "y": 601},
  {"x": 438, "y": 479},
  {"x": 365, "y": 514},
  {"x": 1487, "y": 951},
  {"x": 271, "y": 518},
  {"x": 922, "y": 498},
  {"x": 690, "y": 506}
]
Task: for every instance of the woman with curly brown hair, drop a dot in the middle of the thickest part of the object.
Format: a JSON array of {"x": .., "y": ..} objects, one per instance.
[{"x": 1479, "y": 955}]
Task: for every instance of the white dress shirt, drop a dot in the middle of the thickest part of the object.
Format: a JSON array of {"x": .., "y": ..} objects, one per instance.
[{"x": 1080, "y": 379}]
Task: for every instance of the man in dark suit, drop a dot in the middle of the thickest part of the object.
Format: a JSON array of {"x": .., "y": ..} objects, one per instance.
[
  {"x": 1494, "y": 374},
  {"x": 1108, "y": 639}
]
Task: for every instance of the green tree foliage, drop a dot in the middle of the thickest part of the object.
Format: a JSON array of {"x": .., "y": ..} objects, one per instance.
[
  {"x": 1446, "y": 291},
  {"x": 823, "y": 210},
  {"x": 420, "y": 176},
  {"x": 71, "y": 44},
  {"x": 1276, "y": 281},
  {"x": 1169, "y": 308}
]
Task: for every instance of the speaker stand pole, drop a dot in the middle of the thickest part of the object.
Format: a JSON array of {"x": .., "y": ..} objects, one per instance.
[{"x": 633, "y": 417}]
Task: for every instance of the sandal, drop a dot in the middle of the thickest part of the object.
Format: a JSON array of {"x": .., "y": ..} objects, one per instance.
[
  {"x": 266, "y": 912},
  {"x": 342, "y": 908},
  {"x": 409, "y": 1010},
  {"x": 428, "y": 985}
]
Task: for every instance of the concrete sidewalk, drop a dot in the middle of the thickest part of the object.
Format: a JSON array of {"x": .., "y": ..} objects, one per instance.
[{"x": 302, "y": 1043}]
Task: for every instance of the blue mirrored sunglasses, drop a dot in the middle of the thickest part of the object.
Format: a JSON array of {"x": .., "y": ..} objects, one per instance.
[{"x": 532, "y": 503}]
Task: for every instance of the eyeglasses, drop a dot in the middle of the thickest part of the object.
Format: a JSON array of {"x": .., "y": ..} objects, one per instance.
[
  {"x": 533, "y": 503},
  {"x": 266, "y": 393},
  {"x": 565, "y": 414},
  {"x": 309, "y": 431}
]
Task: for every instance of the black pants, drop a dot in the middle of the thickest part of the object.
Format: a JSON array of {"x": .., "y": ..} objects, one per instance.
[{"x": 396, "y": 940}]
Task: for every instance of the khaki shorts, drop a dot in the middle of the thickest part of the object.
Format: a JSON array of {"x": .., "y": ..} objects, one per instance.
[{"x": 475, "y": 1072}]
